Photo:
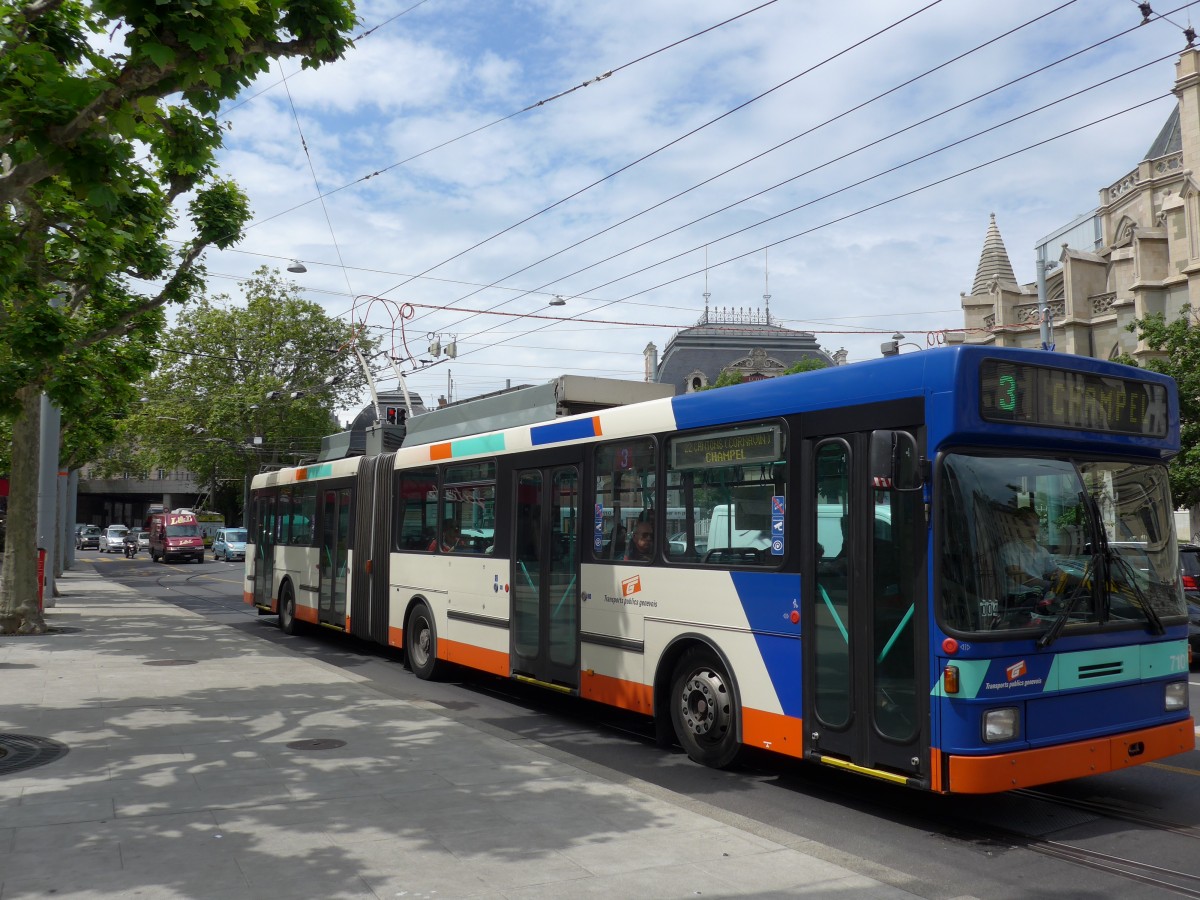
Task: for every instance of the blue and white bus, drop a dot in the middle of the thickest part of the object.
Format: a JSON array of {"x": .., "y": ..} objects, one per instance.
[{"x": 839, "y": 584}]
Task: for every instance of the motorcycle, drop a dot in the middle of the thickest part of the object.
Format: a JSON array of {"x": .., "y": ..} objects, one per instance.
[{"x": 131, "y": 548}]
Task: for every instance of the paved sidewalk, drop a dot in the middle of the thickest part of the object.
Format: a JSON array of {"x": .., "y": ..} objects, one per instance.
[{"x": 184, "y": 778}]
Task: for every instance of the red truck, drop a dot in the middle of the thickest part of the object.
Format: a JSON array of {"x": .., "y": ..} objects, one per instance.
[{"x": 175, "y": 535}]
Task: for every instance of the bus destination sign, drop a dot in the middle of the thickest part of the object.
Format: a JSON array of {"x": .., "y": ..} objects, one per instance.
[
  {"x": 727, "y": 448},
  {"x": 1039, "y": 395}
]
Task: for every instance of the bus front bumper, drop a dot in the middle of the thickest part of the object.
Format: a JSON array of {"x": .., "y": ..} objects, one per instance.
[{"x": 1027, "y": 768}]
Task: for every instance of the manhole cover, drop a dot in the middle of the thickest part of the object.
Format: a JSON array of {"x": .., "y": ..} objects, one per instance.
[
  {"x": 25, "y": 751},
  {"x": 169, "y": 662},
  {"x": 317, "y": 744}
]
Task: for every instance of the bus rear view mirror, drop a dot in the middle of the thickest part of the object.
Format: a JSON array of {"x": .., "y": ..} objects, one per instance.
[{"x": 895, "y": 462}]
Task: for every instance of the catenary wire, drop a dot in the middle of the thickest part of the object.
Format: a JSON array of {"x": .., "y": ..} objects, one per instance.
[
  {"x": 758, "y": 156},
  {"x": 532, "y": 106},
  {"x": 671, "y": 143},
  {"x": 850, "y": 215},
  {"x": 813, "y": 200}
]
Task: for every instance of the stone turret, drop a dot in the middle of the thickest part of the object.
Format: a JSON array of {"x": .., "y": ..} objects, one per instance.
[{"x": 993, "y": 262}]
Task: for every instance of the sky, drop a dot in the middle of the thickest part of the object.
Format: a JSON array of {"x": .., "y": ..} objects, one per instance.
[{"x": 470, "y": 160}]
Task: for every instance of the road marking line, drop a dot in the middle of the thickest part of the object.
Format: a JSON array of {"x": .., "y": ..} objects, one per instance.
[{"x": 1179, "y": 769}]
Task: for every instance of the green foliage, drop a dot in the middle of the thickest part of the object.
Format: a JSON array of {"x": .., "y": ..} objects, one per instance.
[
  {"x": 94, "y": 164},
  {"x": 808, "y": 364},
  {"x": 208, "y": 398},
  {"x": 725, "y": 379},
  {"x": 97, "y": 160},
  {"x": 1179, "y": 343}
]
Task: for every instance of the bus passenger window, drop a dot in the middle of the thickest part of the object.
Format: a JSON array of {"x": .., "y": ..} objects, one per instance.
[
  {"x": 416, "y": 510},
  {"x": 626, "y": 481},
  {"x": 726, "y": 497},
  {"x": 469, "y": 500}
]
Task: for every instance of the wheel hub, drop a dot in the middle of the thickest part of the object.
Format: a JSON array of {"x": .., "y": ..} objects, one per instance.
[{"x": 703, "y": 704}]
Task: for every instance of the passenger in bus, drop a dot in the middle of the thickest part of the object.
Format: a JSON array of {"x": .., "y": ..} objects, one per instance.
[
  {"x": 450, "y": 538},
  {"x": 641, "y": 543},
  {"x": 1027, "y": 564}
]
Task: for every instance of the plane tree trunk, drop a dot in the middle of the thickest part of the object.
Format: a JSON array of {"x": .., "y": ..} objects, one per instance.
[{"x": 19, "y": 613}]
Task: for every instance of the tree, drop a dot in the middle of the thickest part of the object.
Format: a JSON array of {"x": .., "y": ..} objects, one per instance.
[
  {"x": 208, "y": 400},
  {"x": 725, "y": 379},
  {"x": 729, "y": 377},
  {"x": 808, "y": 364},
  {"x": 1179, "y": 342},
  {"x": 93, "y": 162}
]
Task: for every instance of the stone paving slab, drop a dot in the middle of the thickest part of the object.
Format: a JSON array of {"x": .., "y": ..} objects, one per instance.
[{"x": 179, "y": 783}]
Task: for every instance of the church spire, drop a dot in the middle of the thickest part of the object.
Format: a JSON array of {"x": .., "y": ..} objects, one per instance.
[{"x": 993, "y": 262}]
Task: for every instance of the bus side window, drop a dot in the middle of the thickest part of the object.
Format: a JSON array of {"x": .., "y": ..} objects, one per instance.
[{"x": 416, "y": 510}]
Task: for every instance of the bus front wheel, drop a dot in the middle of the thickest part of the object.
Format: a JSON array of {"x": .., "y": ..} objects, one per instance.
[
  {"x": 704, "y": 709},
  {"x": 420, "y": 642}
]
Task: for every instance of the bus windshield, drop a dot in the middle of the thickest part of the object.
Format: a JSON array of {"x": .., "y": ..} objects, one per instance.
[{"x": 1028, "y": 540}]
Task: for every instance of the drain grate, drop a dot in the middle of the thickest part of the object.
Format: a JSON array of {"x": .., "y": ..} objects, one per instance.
[
  {"x": 169, "y": 662},
  {"x": 317, "y": 744},
  {"x": 27, "y": 751}
]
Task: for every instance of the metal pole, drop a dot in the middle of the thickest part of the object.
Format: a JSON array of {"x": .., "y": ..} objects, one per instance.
[
  {"x": 1043, "y": 310},
  {"x": 47, "y": 509},
  {"x": 72, "y": 515}
]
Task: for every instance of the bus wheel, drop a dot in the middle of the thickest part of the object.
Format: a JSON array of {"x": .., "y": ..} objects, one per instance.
[
  {"x": 287, "y": 610},
  {"x": 703, "y": 709},
  {"x": 420, "y": 642}
]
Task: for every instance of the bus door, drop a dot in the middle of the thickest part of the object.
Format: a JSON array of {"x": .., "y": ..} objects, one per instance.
[
  {"x": 264, "y": 549},
  {"x": 335, "y": 546},
  {"x": 545, "y": 576},
  {"x": 865, "y": 694}
]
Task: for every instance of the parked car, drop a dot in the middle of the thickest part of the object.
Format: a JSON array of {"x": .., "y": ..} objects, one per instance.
[
  {"x": 113, "y": 539},
  {"x": 678, "y": 544},
  {"x": 1189, "y": 569},
  {"x": 143, "y": 540},
  {"x": 88, "y": 538},
  {"x": 229, "y": 544}
]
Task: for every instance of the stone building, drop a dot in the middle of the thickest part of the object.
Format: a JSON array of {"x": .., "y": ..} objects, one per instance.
[
  {"x": 743, "y": 341},
  {"x": 1138, "y": 253}
]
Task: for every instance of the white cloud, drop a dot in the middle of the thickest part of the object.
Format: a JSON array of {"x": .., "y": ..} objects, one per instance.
[{"x": 448, "y": 68}]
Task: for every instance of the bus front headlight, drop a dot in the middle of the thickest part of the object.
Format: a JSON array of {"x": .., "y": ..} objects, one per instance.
[
  {"x": 1176, "y": 696},
  {"x": 1001, "y": 725}
]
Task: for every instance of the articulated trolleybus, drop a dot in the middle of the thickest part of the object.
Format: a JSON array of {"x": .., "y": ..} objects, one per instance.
[{"x": 953, "y": 570}]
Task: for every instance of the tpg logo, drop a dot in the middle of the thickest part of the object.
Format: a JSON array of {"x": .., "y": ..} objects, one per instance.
[{"x": 631, "y": 586}]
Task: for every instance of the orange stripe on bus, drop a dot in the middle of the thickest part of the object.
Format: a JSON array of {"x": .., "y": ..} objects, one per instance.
[
  {"x": 773, "y": 731},
  {"x": 631, "y": 695},
  {"x": 439, "y": 451},
  {"x": 935, "y": 770},
  {"x": 596, "y": 426},
  {"x": 1027, "y": 768},
  {"x": 306, "y": 613},
  {"x": 248, "y": 598},
  {"x": 395, "y": 636},
  {"x": 493, "y": 661}
]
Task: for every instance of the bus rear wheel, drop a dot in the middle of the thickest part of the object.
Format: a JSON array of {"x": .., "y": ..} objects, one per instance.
[
  {"x": 420, "y": 642},
  {"x": 287, "y": 609},
  {"x": 704, "y": 709}
]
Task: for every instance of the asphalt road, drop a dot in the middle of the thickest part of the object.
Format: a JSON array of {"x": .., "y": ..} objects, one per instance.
[{"x": 1067, "y": 840}]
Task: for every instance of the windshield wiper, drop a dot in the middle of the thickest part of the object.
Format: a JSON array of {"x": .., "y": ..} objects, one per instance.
[
  {"x": 1098, "y": 564},
  {"x": 1143, "y": 600},
  {"x": 1050, "y": 635}
]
